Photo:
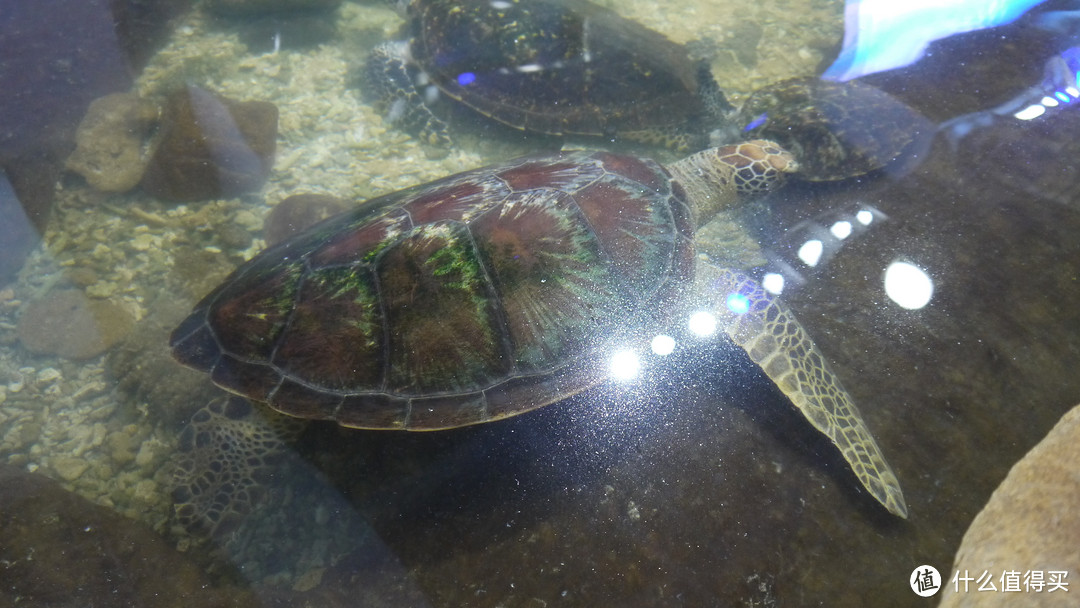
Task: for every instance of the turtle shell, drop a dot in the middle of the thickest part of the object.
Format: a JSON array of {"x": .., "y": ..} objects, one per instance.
[
  {"x": 562, "y": 67},
  {"x": 472, "y": 298},
  {"x": 835, "y": 130}
]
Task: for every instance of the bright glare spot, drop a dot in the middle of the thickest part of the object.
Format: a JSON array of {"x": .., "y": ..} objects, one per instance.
[
  {"x": 1073, "y": 92},
  {"x": 431, "y": 94},
  {"x": 1062, "y": 97},
  {"x": 625, "y": 365},
  {"x": 529, "y": 67},
  {"x": 738, "y": 303},
  {"x": 1030, "y": 112},
  {"x": 501, "y": 5},
  {"x": 663, "y": 345},
  {"x": 841, "y": 229},
  {"x": 864, "y": 217},
  {"x": 908, "y": 285},
  {"x": 773, "y": 283},
  {"x": 466, "y": 78},
  {"x": 810, "y": 252},
  {"x": 397, "y": 110},
  {"x": 702, "y": 324},
  {"x": 1048, "y": 101}
]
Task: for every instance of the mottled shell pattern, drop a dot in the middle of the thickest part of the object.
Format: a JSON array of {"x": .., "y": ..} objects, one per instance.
[
  {"x": 468, "y": 299},
  {"x": 564, "y": 67}
]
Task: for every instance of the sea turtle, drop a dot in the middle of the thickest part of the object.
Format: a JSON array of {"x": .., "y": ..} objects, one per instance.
[
  {"x": 570, "y": 67},
  {"x": 558, "y": 67},
  {"x": 836, "y": 130},
  {"x": 495, "y": 291}
]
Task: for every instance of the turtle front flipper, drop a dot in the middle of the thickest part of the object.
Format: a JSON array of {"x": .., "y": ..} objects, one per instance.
[
  {"x": 769, "y": 332},
  {"x": 386, "y": 83}
]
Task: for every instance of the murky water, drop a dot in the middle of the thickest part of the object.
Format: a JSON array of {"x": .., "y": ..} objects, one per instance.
[{"x": 699, "y": 487}]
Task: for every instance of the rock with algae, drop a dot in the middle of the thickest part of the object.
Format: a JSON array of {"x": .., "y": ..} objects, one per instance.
[
  {"x": 110, "y": 143},
  {"x": 1030, "y": 523}
]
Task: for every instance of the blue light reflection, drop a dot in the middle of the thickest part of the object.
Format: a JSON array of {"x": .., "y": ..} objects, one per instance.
[
  {"x": 738, "y": 303},
  {"x": 883, "y": 35}
]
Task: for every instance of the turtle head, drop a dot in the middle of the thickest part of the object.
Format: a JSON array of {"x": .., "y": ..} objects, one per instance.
[
  {"x": 758, "y": 165},
  {"x": 717, "y": 178}
]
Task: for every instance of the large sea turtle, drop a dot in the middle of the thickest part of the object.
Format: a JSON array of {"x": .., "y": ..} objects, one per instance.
[
  {"x": 558, "y": 67},
  {"x": 495, "y": 291}
]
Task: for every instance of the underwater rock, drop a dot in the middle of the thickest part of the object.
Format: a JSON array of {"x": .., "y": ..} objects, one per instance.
[
  {"x": 61, "y": 550},
  {"x": 18, "y": 234},
  {"x": 110, "y": 142},
  {"x": 1030, "y": 523},
  {"x": 260, "y": 7},
  {"x": 298, "y": 212},
  {"x": 211, "y": 147},
  {"x": 67, "y": 323},
  {"x": 58, "y": 57}
]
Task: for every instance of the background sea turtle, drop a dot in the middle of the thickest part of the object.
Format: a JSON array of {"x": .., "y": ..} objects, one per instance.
[
  {"x": 836, "y": 130},
  {"x": 569, "y": 67},
  {"x": 559, "y": 67},
  {"x": 499, "y": 290}
]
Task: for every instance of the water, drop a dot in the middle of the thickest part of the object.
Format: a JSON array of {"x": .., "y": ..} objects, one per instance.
[{"x": 702, "y": 489}]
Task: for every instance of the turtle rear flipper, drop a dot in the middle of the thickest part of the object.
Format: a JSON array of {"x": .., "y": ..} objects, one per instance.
[
  {"x": 386, "y": 82},
  {"x": 769, "y": 332}
]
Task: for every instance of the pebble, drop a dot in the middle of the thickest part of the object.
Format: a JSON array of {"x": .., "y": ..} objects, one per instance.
[
  {"x": 145, "y": 242},
  {"x": 101, "y": 289},
  {"x": 146, "y": 453},
  {"x": 146, "y": 491},
  {"x": 322, "y": 515},
  {"x": 121, "y": 447},
  {"x": 248, "y": 220},
  {"x": 99, "y": 435},
  {"x": 67, "y": 467},
  {"x": 309, "y": 580}
]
